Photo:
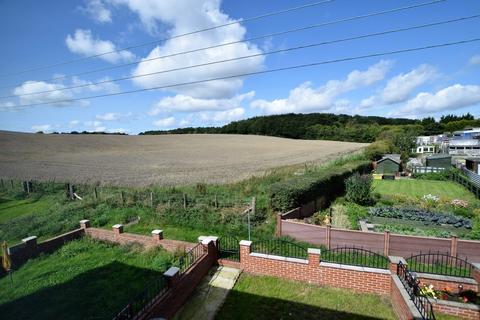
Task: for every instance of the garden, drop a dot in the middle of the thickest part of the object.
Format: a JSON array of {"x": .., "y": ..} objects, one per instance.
[
  {"x": 420, "y": 206},
  {"x": 261, "y": 297},
  {"x": 84, "y": 279}
]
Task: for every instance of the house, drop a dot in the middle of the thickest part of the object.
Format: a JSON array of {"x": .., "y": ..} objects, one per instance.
[
  {"x": 464, "y": 147},
  {"x": 440, "y": 160},
  {"x": 425, "y": 149},
  {"x": 472, "y": 133},
  {"x": 389, "y": 164},
  {"x": 472, "y": 164}
]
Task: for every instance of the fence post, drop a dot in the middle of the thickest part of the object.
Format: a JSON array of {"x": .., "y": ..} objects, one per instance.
[
  {"x": 185, "y": 201},
  {"x": 11, "y": 183},
  {"x": 328, "y": 236},
  {"x": 254, "y": 205},
  {"x": 278, "y": 229},
  {"x": 151, "y": 199},
  {"x": 453, "y": 246},
  {"x": 3, "y": 186},
  {"x": 386, "y": 243},
  {"x": 122, "y": 198},
  {"x": 314, "y": 257},
  {"x": 215, "y": 201},
  {"x": 95, "y": 194}
]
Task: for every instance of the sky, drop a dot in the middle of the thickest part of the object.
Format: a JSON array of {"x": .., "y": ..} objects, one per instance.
[{"x": 417, "y": 84}]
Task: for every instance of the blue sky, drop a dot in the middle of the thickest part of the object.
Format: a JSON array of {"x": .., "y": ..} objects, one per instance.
[{"x": 418, "y": 84}]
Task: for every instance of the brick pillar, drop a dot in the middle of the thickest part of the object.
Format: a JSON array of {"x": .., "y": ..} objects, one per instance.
[
  {"x": 157, "y": 235},
  {"x": 386, "y": 243},
  {"x": 84, "y": 224},
  {"x": 476, "y": 274},
  {"x": 314, "y": 257},
  {"x": 245, "y": 250},
  {"x": 328, "y": 236},
  {"x": 172, "y": 275},
  {"x": 209, "y": 244},
  {"x": 117, "y": 229},
  {"x": 393, "y": 263}
]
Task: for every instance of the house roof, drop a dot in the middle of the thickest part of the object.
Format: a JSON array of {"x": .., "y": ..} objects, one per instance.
[
  {"x": 394, "y": 157},
  {"x": 439, "y": 156}
]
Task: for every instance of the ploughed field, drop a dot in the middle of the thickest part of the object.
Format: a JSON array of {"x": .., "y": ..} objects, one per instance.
[{"x": 160, "y": 159}]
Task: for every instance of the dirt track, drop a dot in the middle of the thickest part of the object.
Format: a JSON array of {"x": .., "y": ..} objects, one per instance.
[{"x": 145, "y": 160}]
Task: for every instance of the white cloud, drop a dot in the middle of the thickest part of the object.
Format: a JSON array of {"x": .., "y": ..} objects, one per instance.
[
  {"x": 475, "y": 60},
  {"x": 305, "y": 98},
  {"x": 109, "y": 87},
  {"x": 222, "y": 116},
  {"x": 118, "y": 130},
  {"x": 29, "y": 87},
  {"x": 165, "y": 123},
  {"x": 448, "y": 99},
  {"x": 400, "y": 87},
  {"x": 42, "y": 127},
  {"x": 194, "y": 15},
  {"x": 7, "y": 105},
  {"x": 92, "y": 123},
  {"x": 112, "y": 116},
  {"x": 368, "y": 102},
  {"x": 185, "y": 103},
  {"x": 97, "y": 10},
  {"x": 84, "y": 44}
]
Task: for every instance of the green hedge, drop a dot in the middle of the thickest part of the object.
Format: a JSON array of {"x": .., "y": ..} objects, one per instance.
[{"x": 329, "y": 182}]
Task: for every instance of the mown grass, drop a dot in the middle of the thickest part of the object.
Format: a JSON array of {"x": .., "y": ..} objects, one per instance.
[
  {"x": 259, "y": 297},
  {"x": 418, "y": 188},
  {"x": 85, "y": 279}
]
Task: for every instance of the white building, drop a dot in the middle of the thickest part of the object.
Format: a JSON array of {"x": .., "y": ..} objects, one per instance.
[{"x": 464, "y": 147}]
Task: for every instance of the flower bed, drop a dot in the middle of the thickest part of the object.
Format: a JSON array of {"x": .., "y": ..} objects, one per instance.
[{"x": 464, "y": 296}]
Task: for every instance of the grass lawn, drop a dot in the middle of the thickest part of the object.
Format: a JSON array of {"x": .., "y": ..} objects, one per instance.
[
  {"x": 419, "y": 188},
  {"x": 11, "y": 208},
  {"x": 258, "y": 297},
  {"x": 85, "y": 279}
]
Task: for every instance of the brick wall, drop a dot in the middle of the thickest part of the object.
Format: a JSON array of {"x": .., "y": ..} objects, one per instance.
[
  {"x": 401, "y": 303},
  {"x": 29, "y": 248},
  {"x": 182, "y": 286},
  {"x": 118, "y": 236},
  {"x": 312, "y": 271},
  {"x": 457, "y": 309}
]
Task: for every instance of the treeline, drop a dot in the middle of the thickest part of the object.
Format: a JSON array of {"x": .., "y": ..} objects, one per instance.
[{"x": 326, "y": 126}]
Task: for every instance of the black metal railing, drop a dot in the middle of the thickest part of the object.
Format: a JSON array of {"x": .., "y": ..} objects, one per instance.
[
  {"x": 356, "y": 257},
  {"x": 190, "y": 257},
  {"x": 229, "y": 248},
  {"x": 144, "y": 300},
  {"x": 411, "y": 285},
  {"x": 280, "y": 247},
  {"x": 440, "y": 263}
]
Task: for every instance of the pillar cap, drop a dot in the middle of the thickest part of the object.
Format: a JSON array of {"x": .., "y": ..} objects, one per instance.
[
  {"x": 245, "y": 243},
  {"x": 314, "y": 251},
  {"x": 172, "y": 271},
  {"x": 29, "y": 239},
  {"x": 117, "y": 226},
  {"x": 84, "y": 221},
  {"x": 157, "y": 231}
]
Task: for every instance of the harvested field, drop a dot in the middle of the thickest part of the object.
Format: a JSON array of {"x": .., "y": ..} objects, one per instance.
[{"x": 146, "y": 160}]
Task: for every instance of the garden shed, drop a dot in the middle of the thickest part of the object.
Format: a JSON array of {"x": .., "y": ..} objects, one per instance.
[
  {"x": 389, "y": 164},
  {"x": 472, "y": 164},
  {"x": 441, "y": 160}
]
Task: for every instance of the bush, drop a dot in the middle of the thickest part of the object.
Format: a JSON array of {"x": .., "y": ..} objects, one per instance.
[
  {"x": 328, "y": 183},
  {"x": 359, "y": 189},
  {"x": 440, "y": 176},
  {"x": 377, "y": 149}
]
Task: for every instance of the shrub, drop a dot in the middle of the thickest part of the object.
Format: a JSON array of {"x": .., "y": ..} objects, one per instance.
[
  {"x": 440, "y": 176},
  {"x": 359, "y": 189},
  {"x": 329, "y": 183},
  {"x": 377, "y": 149}
]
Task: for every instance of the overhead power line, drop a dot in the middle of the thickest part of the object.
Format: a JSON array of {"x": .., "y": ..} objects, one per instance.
[
  {"x": 252, "y": 56},
  {"x": 314, "y": 26},
  {"x": 313, "y": 64},
  {"x": 262, "y": 16}
]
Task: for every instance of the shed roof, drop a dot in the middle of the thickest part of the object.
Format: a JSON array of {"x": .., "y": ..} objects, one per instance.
[
  {"x": 394, "y": 157},
  {"x": 439, "y": 156}
]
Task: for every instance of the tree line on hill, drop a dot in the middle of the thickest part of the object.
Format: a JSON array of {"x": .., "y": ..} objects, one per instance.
[{"x": 386, "y": 135}]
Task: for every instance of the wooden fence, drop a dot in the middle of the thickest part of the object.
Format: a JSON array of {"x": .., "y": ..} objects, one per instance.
[
  {"x": 466, "y": 182},
  {"x": 385, "y": 243}
]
